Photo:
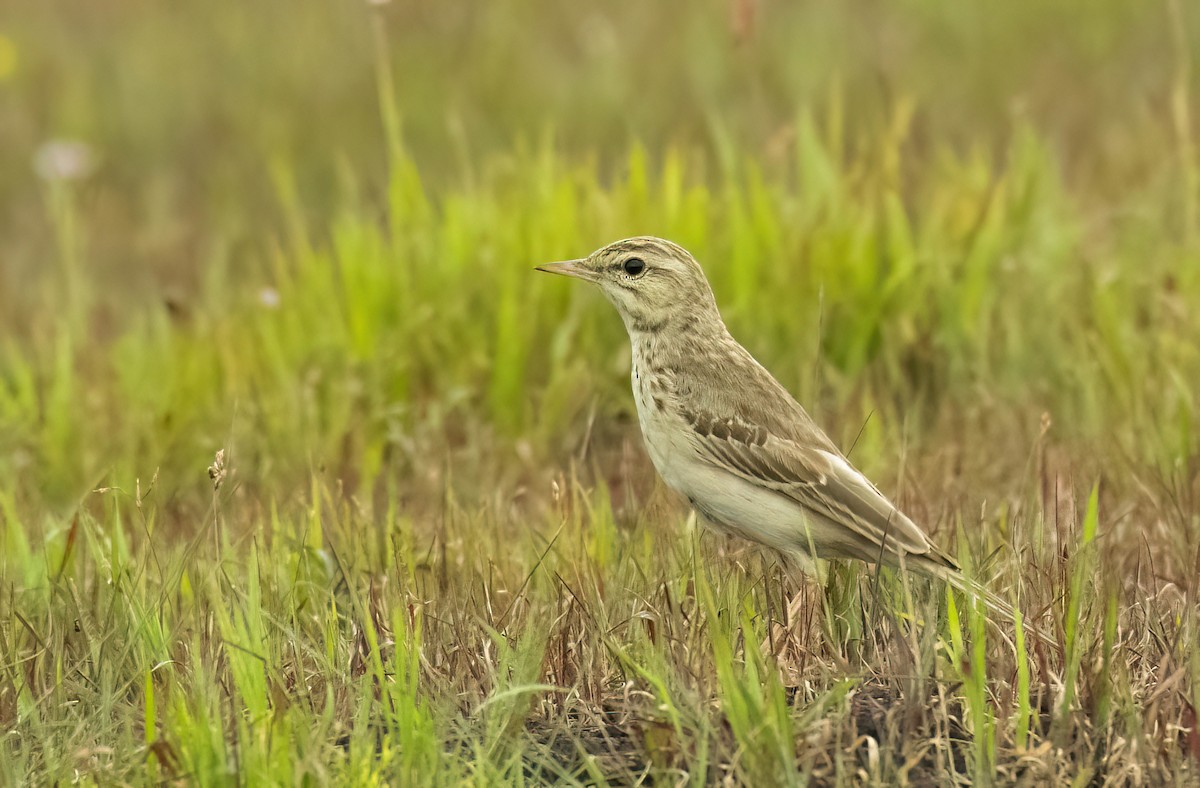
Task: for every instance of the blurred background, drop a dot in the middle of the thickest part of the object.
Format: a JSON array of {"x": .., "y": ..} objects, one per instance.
[
  {"x": 914, "y": 181},
  {"x": 188, "y": 110}
]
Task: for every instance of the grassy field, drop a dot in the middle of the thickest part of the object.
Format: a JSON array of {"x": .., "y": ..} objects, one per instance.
[{"x": 307, "y": 478}]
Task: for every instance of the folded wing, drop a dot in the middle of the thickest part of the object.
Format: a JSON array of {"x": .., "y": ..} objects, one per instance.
[{"x": 818, "y": 479}]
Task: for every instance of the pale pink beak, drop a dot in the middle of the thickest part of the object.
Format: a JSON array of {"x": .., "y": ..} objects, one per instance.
[{"x": 572, "y": 268}]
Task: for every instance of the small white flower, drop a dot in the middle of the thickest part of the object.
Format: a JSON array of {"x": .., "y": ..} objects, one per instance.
[
  {"x": 64, "y": 160},
  {"x": 269, "y": 297}
]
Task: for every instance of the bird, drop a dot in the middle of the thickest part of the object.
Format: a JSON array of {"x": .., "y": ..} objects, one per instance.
[{"x": 726, "y": 435}]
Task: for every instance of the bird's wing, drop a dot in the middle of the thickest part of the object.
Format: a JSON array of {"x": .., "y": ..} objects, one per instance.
[{"x": 818, "y": 479}]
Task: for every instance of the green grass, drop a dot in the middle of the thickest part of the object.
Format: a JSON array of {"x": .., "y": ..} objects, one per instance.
[{"x": 306, "y": 477}]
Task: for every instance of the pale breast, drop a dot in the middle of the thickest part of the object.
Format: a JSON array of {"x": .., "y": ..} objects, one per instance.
[
  {"x": 727, "y": 501},
  {"x": 660, "y": 426}
]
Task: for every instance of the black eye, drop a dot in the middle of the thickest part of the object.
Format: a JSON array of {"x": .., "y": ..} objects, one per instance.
[{"x": 634, "y": 266}]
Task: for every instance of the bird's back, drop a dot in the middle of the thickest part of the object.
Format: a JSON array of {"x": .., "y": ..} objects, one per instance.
[
  {"x": 743, "y": 422},
  {"x": 727, "y": 384}
]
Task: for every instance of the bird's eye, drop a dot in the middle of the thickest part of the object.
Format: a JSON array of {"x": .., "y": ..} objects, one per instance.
[{"x": 634, "y": 266}]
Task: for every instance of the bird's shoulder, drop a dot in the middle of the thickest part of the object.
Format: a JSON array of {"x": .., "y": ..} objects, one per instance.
[
  {"x": 745, "y": 422},
  {"x": 726, "y": 390}
]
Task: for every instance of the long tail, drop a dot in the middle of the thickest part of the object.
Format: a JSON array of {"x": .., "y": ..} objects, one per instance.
[{"x": 946, "y": 569}]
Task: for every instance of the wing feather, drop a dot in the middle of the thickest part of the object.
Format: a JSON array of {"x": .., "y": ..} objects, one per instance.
[{"x": 819, "y": 480}]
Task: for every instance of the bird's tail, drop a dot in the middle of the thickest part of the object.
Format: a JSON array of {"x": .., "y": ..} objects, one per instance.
[{"x": 946, "y": 569}]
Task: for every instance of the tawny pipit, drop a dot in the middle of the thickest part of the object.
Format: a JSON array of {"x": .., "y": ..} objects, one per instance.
[{"x": 725, "y": 434}]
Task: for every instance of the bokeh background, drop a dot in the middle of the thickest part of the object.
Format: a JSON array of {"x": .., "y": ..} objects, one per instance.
[
  {"x": 189, "y": 108},
  {"x": 169, "y": 162}
]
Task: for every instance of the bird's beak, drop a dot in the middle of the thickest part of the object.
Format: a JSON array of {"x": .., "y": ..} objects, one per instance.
[{"x": 569, "y": 268}]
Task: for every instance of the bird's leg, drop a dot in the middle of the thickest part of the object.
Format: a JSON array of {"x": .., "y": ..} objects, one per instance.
[
  {"x": 772, "y": 625},
  {"x": 842, "y": 604},
  {"x": 780, "y": 640}
]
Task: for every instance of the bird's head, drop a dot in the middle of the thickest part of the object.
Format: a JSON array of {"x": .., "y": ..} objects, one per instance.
[{"x": 652, "y": 282}]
